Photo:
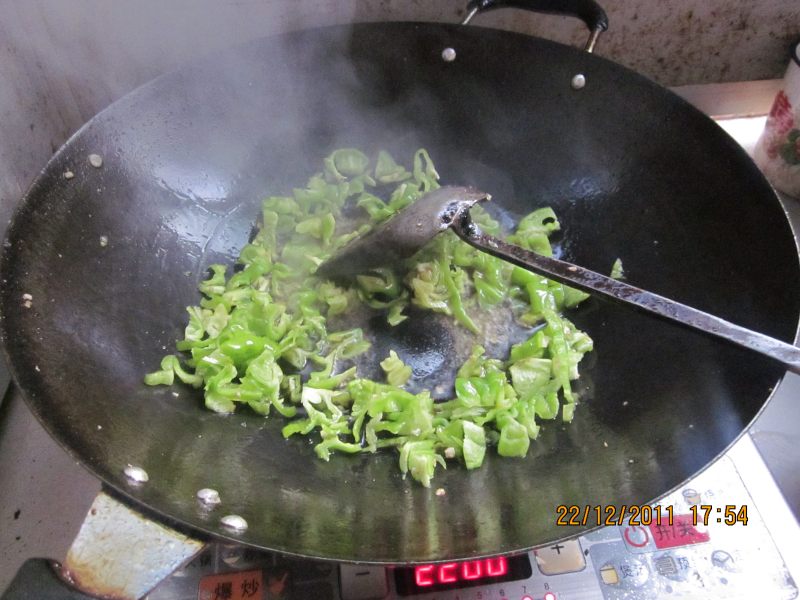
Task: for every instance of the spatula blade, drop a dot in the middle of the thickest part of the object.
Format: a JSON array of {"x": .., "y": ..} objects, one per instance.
[{"x": 404, "y": 234}]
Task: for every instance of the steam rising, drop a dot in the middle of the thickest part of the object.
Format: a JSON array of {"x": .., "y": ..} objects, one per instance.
[{"x": 65, "y": 61}]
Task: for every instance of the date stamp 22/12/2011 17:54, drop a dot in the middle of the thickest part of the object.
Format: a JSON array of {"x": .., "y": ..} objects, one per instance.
[{"x": 634, "y": 514}]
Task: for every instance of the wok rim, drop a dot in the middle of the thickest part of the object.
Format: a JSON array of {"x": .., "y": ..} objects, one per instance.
[{"x": 208, "y": 530}]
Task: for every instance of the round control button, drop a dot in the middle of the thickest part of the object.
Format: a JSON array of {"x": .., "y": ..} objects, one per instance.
[
  {"x": 636, "y": 536},
  {"x": 723, "y": 560},
  {"x": 633, "y": 572}
]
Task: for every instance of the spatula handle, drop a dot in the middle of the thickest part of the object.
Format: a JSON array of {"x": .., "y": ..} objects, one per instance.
[{"x": 595, "y": 283}]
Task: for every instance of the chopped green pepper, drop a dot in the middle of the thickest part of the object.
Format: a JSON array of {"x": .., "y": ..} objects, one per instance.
[{"x": 260, "y": 336}]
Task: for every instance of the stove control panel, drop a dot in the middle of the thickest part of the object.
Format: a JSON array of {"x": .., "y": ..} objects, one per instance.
[{"x": 703, "y": 544}]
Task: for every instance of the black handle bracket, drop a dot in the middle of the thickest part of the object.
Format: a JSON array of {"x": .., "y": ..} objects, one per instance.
[{"x": 588, "y": 11}]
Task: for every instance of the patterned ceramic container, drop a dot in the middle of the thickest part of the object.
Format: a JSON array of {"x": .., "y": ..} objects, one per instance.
[{"x": 777, "y": 152}]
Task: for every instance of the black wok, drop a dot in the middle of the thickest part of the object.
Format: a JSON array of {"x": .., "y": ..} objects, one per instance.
[{"x": 632, "y": 171}]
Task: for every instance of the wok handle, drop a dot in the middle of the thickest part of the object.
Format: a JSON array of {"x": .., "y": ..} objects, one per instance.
[
  {"x": 595, "y": 283},
  {"x": 588, "y": 11}
]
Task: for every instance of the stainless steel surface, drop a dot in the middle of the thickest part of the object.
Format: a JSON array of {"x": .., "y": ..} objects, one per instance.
[
  {"x": 470, "y": 15},
  {"x": 120, "y": 554},
  {"x": 592, "y": 41},
  {"x": 776, "y": 436}
]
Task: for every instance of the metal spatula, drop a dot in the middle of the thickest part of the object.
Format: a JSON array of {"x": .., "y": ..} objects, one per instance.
[{"x": 448, "y": 207}]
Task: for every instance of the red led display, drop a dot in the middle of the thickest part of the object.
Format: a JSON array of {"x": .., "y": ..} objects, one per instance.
[
  {"x": 472, "y": 570},
  {"x": 424, "y": 575},
  {"x": 496, "y": 567},
  {"x": 462, "y": 574}
]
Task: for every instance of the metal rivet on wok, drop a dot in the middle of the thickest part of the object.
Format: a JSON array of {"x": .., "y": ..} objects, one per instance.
[
  {"x": 578, "y": 82},
  {"x": 208, "y": 496},
  {"x": 137, "y": 474},
  {"x": 234, "y": 523},
  {"x": 449, "y": 54}
]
